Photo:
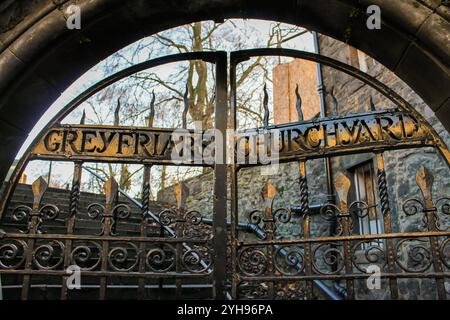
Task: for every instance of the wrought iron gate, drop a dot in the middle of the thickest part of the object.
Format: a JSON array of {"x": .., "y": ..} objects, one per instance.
[{"x": 188, "y": 247}]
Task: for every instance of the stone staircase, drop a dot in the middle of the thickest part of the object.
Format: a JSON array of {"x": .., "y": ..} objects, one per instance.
[{"x": 49, "y": 287}]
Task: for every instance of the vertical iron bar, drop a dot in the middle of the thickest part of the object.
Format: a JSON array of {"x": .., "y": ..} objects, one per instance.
[
  {"x": 342, "y": 186},
  {"x": 38, "y": 187},
  {"x": 111, "y": 192},
  {"x": 220, "y": 179},
  {"x": 161, "y": 246},
  {"x": 304, "y": 202},
  {"x": 144, "y": 222},
  {"x": 181, "y": 194},
  {"x": 73, "y": 209},
  {"x": 269, "y": 191},
  {"x": 424, "y": 180},
  {"x": 387, "y": 222},
  {"x": 234, "y": 185}
]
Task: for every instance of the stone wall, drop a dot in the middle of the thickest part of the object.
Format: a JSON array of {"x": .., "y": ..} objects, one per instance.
[
  {"x": 352, "y": 96},
  {"x": 401, "y": 165}
]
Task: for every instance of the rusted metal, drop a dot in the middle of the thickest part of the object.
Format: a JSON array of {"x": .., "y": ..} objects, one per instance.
[
  {"x": 304, "y": 203},
  {"x": 308, "y": 139},
  {"x": 342, "y": 186},
  {"x": 269, "y": 267},
  {"x": 73, "y": 209},
  {"x": 387, "y": 221},
  {"x": 425, "y": 182},
  {"x": 220, "y": 181}
]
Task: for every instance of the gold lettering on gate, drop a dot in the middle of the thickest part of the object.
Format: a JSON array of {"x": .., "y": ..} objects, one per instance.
[{"x": 315, "y": 138}]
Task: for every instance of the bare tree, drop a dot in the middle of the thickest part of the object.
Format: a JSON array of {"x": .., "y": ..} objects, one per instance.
[{"x": 193, "y": 80}]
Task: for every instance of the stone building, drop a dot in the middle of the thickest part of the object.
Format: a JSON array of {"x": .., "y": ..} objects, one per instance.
[
  {"x": 343, "y": 95},
  {"x": 40, "y": 57}
]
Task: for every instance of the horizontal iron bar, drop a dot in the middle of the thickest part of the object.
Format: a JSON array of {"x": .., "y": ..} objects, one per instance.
[
  {"x": 349, "y": 238},
  {"x": 129, "y": 274},
  {"x": 100, "y": 238},
  {"x": 112, "y": 286},
  {"x": 345, "y": 276}
]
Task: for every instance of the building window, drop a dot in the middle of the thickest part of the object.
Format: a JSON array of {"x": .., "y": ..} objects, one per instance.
[{"x": 364, "y": 190}]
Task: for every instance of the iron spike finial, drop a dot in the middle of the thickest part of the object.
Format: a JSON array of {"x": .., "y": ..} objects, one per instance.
[
  {"x": 266, "y": 106},
  {"x": 117, "y": 112},
  {"x": 372, "y": 105},
  {"x": 299, "y": 104},
  {"x": 111, "y": 189},
  {"x": 181, "y": 193},
  {"x": 334, "y": 100},
  {"x": 424, "y": 180},
  {"x": 83, "y": 117},
  {"x": 186, "y": 106},
  {"x": 269, "y": 191},
  {"x": 39, "y": 187},
  {"x": 342, "y": 185},
  {"x": 151, "y": 115}
]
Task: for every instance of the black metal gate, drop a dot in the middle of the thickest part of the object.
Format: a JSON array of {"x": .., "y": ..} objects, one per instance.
[{"x": 188, "y": 248}]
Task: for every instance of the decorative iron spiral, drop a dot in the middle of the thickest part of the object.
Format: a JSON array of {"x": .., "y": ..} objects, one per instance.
[
  {"x": 167, "y": 217},
  {"x": 359, "y": 208},
  {"x": 87, "y": 256},
  {"x": 418, "y": 256},
  {"x": 445, "y": 207},
  {"x": 122, "y": 211},
  {"x": 21, "y": 212},
  {"x": 329, "y": 212},
  {"x": 411, "y": 207},
  {"x": 255, "y": 216},
  {"x": 373, "y": 254},
  {"x": 282, "y": 215},
  {"x": 49, "y": 256},
  {"x": 289, "y": 260},
  {"x": 331, "y": 258},
  {"x": 94, "y": 210},
  {"x": 445, "y": 252},
  {"x": 123, "y": 258},
  {"x": 161, "y": 259},
  {"x": 192, "y": 259},
  {"x": 49, "y": 212},
  {"x": 12, "y": 254},
  {"x": 193, "y": 217},
  {"x": 252, "y": 261}
]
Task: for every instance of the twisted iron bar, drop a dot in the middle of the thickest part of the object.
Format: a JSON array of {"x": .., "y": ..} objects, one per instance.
[
  {"x": 146, "y": 199},
  {"x": 74, "y": 198},
  {"x": 384, "y": 197},
  {"x": 304, "y": 201}
]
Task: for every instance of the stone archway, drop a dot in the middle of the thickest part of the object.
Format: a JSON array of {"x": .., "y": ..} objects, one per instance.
[{"x": 40, "y": 57}]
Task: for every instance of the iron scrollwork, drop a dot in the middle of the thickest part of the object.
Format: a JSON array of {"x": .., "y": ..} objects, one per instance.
[{"x": 120, "y": 211}]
